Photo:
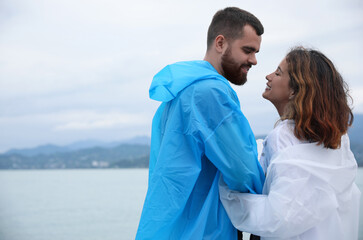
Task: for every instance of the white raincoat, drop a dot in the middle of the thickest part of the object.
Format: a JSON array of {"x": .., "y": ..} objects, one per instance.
[{"x": 309, "y": 192}]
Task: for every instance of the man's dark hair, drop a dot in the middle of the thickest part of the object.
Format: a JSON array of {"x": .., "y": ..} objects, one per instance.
[{"x": 229, "y": 22}]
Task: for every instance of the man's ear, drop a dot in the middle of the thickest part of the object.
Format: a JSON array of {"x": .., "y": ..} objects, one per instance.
[{"x": 220, "y": 43}]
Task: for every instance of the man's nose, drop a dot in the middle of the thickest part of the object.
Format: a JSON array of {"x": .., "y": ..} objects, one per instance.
[{"x": 252, "y": 59}]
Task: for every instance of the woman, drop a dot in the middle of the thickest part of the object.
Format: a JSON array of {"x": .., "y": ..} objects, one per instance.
[{"x": 309, "y": 191}]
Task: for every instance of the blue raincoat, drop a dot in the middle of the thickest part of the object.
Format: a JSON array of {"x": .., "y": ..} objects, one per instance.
[{"x": 198, "y": 132}]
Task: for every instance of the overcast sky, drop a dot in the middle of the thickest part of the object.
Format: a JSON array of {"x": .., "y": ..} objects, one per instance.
[{"x": 72, "y": 70}]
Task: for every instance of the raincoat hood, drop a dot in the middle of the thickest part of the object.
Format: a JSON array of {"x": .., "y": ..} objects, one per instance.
[
  {"x": 172, "y": 79},
  {"x": 337, "y": 167}
]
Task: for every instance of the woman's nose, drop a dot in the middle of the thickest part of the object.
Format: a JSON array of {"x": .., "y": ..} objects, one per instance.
[{"x": 268, "y": 77}]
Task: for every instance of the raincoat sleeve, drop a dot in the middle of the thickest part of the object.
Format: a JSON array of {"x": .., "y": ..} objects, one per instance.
[
  {"x": 297, "y": 201},
  {"x": 228, "y": 139}
]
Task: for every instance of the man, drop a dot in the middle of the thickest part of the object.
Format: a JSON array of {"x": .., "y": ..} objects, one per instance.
[{"x": 199, "y": 132}]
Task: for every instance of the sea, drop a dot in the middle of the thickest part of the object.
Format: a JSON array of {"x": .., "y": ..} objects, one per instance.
[{"x": 98, "y": 204}]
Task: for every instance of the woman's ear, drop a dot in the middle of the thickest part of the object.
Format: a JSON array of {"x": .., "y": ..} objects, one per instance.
[{"x": 292, "y": 95}]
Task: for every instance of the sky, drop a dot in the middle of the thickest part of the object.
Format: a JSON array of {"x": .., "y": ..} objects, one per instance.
[{"x": 73, "y": 70}]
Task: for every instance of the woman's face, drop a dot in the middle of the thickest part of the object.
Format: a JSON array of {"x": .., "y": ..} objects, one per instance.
[{"x": 277, "y": 89}]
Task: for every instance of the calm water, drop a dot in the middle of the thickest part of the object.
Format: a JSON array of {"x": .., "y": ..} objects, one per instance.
[
  {"x": 76, "y": 204},
  {"x": 71, "y": 204}
]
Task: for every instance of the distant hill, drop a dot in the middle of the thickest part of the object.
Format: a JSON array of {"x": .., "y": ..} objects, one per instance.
[
  {"x": 122, "y": 156},
  {"x": 83, "y": 154},
  {"x": 44, "y": 149},
  {"x": 49, "y": 149},
  {"x": 356, "y": 138},
  {"x": 356, "y": 131},
  {"x": 132, "y": 153}
]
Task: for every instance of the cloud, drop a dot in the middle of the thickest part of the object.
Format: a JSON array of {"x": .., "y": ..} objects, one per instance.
[
  {"x": 357, "y": 95},
  {"x": 65, "y": 127},
  {"x": 77, "y": 69},
  {"x": 92, "y": 120}
]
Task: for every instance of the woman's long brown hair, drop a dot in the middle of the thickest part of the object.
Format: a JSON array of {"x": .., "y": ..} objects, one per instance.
[{"x": 320, "y": 105}]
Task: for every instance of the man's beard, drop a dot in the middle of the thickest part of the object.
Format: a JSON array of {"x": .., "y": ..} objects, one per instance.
[{"x": 232, "y": 70}]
